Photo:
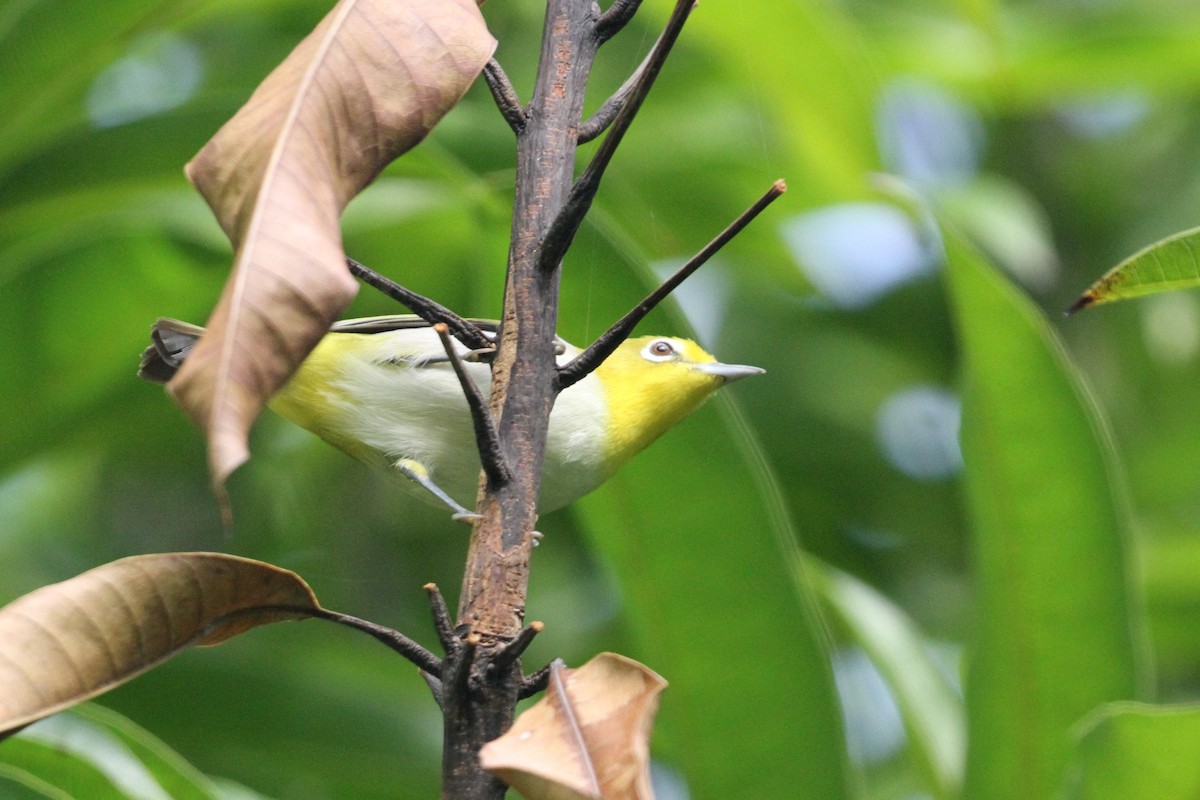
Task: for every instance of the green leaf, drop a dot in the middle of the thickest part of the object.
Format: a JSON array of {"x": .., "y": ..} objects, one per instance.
[
  {"x": 1059, "y": 627},
  {"x": 1165, "y": 266},
  {"x": 58, "y": 765},
  {"x": 96, "y": 753},
  {"x": 705, "y": 556},
  {"x": 1132, "y": 751},
  {"x": 929, "y": 704},
  {"x": 17, "y": 784},
  {"x": 180, "y": 779}
]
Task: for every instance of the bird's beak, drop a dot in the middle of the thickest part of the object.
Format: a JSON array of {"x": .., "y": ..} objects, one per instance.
[{"x": 729, "y": 372}]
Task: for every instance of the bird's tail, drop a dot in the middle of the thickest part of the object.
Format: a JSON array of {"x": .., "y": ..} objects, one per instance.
[{"x": 172, "y": 340}]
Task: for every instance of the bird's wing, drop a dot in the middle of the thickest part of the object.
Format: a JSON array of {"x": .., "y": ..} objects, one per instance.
[
  {"x": 400, "y": 322},
  {"x": 396, "y": 322},
  {"x": 172, "y": 340}
]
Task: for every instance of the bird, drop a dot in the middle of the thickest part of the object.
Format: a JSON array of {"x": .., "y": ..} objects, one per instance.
[{"x": 382, "y": 390}]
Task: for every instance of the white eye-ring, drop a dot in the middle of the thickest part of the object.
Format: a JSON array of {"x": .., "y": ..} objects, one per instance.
[{"x": 661, "y": 350}]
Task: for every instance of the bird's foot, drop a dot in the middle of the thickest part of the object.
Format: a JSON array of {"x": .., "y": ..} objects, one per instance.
[{"x": 416, "y": 472}]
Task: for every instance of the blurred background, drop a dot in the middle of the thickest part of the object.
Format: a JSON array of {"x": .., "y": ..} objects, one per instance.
[{"x": 1059, "y": 135}]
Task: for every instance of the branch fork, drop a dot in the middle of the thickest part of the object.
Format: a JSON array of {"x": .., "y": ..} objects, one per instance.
[{"x": 458, "y": 668}]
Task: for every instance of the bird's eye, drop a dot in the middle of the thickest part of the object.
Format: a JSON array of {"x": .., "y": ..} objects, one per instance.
[{"x": 660, "y": 350}]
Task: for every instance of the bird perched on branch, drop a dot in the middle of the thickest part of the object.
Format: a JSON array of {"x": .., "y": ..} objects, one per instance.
[{"x": 382, "y": 390}]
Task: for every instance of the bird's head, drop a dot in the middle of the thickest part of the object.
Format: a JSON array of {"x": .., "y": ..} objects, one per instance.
[{"x": 652, "y": 382}]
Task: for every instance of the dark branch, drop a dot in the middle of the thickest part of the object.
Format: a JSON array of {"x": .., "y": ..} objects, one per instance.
[
  {"x": 397, "y": 641},
  {"x": 441, "y": 621},
  {"x": 435, "y": 688},
  {"x": 615, "y": 18},
  {"x": 460, "y": 669},
  {"x": 599, "y": 121},
  {"x": 513, "y": 650},
  {"x": 566, "y": 224},
  {"x": 505, "y": 96},
  {"x": 479, "y": 703},
  {"x": 535, "y": 682},
  {"x": 608, "y": 341},
  {"x": 427, "y": 309},
  {"x": 486, "y": 437}
]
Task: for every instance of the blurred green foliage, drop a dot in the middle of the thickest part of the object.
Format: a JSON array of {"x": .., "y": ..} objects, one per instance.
[{"x": 1059, "y": 137}]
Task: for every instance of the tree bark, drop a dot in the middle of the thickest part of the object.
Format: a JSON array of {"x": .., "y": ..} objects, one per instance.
[{"x": 479, "y": 703}]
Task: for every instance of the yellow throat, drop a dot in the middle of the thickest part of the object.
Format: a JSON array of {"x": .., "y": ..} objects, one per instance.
[{"x": 650, "y": 384}]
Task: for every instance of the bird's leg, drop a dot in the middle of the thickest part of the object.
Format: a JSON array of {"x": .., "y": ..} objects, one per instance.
[{"x": 415, "y": 471}]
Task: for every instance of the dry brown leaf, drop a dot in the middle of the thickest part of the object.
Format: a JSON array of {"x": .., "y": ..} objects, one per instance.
[
  {"x": 70, "y": 641},
  {"x": 367, "y": 84},
  {"x": 589, "y": 737}
]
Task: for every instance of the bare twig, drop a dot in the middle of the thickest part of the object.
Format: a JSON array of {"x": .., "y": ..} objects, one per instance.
[
  {"x": 397, "y": 641},
  {"x": 435, "y": 688},
  {"x": 607, "y": 342},
  {"x": 460, "y": 665},
  {"x": 513, "y": 650},
  {"x": 535, "y": 682},
  {"x": 615, "y": 18},
  {"x": 427, "y": 309},
  {"x": 486, "y": 437},
  {"x": 505, "y": 96},
  {"x": 441, "y": 619},
  {"x": 566, "y": 224},
  {"x": 603, "y": 116}
]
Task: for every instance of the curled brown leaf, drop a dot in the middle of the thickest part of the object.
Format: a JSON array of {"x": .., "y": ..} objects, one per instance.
[
  {"x": 71, "y": 641},
  {"x": 367, "y": 84},
  {"x": 589, "y": 737}
]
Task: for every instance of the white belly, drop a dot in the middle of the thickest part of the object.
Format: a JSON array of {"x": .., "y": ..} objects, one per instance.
[{"x": 421, "y": 414}]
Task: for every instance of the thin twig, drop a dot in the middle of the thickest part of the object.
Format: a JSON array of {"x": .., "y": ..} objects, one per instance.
[
  {"x": 607, "y": 342},
  {"x": 513, "y": 650},
  {"x": 535, "y": 682},
  {"x": 486, "y": 437},
  {"x": 603, "y": 116},
  {"x": 426, "y": 308},
  {"x": 461, "y": 664},
  {"x": 566, "y": 224},
  {"x": 505, "y": 96},
  {"x": 397, "y": 641},
  {"x": 615, "y": 18},
  {"x": 435, "y": 688},
  {"x": 441, "y": 619}
]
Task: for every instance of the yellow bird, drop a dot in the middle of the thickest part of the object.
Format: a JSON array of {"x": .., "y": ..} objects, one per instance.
[{"x": 382, "y": 390}]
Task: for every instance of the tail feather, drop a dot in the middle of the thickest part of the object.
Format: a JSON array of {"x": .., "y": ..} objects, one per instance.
[{"x": 172, "y": 340}]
